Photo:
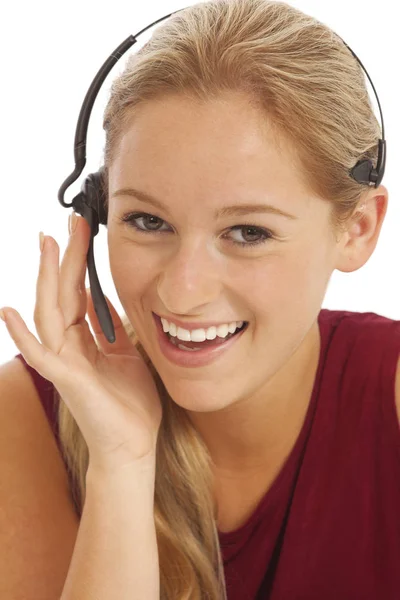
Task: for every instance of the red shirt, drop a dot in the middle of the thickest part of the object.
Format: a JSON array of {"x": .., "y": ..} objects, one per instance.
[{"x": 329, "y": 527}]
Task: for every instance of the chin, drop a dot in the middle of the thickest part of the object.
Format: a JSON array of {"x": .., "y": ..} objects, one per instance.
[{"x": 201, "y": 396}]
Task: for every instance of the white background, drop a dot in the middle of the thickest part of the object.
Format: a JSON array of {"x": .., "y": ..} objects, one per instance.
[{"x": 51, "y": 51}]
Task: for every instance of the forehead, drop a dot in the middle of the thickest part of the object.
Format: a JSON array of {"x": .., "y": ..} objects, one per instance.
[{"x": 178, "y": 147}]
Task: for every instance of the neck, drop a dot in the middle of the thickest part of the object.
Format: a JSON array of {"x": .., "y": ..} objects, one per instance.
[{"x": 252, "y": 435}]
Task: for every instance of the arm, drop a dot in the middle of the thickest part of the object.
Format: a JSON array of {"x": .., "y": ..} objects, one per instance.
[{"x": 116, "y": 554}]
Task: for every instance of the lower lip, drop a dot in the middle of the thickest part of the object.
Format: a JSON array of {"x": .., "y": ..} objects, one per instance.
[{"x": 197, "y": 358}]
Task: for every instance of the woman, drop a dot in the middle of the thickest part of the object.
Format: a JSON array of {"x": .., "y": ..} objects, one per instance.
[{"x": 260, "y": 457}]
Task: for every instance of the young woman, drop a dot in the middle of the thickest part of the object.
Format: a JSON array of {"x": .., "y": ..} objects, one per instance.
[{"x": 198, "y": 467}]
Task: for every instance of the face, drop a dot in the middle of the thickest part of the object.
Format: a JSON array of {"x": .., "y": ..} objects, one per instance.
[{"x": 197, "y": 159}]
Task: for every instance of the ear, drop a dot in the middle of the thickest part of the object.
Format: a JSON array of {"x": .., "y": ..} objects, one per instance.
[{"x": 359, "y": 240}]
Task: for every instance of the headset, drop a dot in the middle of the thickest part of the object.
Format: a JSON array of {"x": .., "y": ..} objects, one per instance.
[{"x": 90, "y": 202}]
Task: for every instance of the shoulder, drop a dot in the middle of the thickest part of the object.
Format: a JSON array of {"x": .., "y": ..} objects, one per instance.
[
  {"x": 20, "y": 401},
  {"x": 36, "y": 493},
  {"x": 397, "y": 388},
  {"x": 15, "y": 378},
  {"x": 364, "y": 331}
]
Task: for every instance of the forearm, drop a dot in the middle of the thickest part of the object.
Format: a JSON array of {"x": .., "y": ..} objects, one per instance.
[{"x": 116, "y": 554}]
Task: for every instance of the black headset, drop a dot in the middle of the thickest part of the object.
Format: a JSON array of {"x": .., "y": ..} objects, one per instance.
[{"x": 90, "y": 202}]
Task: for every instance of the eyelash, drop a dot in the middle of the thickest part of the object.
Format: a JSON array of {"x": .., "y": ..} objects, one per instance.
[{"x": 130, "y": 217}]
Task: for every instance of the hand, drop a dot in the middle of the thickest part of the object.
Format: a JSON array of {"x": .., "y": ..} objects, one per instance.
[{"x": 109, "y": 390}]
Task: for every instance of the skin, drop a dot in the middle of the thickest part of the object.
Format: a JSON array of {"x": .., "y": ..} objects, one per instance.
[{"x": 250, "y": 404}]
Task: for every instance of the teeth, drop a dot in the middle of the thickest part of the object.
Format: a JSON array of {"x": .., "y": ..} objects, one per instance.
[{"x": 200, "y": 335}]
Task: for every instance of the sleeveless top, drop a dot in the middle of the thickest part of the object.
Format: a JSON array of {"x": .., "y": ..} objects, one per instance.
[{"x": 329, "y": 527}]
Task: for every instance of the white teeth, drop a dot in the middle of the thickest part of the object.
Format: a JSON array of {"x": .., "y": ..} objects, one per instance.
[{"x": 200, "y": 335}]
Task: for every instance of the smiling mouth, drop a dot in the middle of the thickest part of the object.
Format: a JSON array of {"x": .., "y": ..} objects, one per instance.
[{"x": 199, "y": 345}]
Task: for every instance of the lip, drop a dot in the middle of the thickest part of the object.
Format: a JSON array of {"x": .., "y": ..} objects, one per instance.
[{"x": 199, "y": 358}]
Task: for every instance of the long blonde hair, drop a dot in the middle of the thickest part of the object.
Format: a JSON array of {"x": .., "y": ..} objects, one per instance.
[{"x": 306, "y": 81}]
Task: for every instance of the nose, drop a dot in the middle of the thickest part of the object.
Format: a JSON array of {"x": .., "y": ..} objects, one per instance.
[{"x": 190, "y": 280}]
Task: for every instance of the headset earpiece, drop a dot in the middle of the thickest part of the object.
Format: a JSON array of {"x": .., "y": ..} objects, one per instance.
[{"x": 93, "y": 190}]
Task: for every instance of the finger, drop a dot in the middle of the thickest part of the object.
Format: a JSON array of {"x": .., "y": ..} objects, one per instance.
[
  {"x": 48, "y": 318},
  {"x": 52, "y": 326},
  {"x": 122, "y": 344},
  {"x": 37, "y": 356},
  {"x": 71, "y": 294}
]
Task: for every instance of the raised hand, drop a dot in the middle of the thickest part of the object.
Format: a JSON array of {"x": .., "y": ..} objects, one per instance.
[{"x": 108, "y": 389}]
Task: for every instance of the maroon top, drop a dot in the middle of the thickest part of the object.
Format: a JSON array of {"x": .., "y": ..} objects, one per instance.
[{"x": 329, "y": 527}]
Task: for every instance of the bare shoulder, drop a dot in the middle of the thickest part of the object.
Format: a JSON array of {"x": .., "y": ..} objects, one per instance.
[
  {"x": 397, "y": 388},
  {"x": 38, "y": 524}
]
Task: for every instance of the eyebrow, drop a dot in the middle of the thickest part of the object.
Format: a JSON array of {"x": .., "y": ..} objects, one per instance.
[{"x": 226, "y": 211}]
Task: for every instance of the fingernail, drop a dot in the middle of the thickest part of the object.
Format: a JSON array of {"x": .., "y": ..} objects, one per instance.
[
  {"x": 41, "y": 241},
  {"x": 72, "y": 223},
  {"x": 2, "y": 316}
]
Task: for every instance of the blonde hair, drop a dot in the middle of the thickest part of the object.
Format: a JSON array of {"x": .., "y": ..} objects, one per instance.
[{"x": 308, "y": 84}]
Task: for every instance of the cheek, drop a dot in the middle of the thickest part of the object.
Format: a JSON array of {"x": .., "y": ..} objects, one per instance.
[
  {"x": 129, "y": 266},
  {"x": 310, "y": 283},
  {"x": 294, "y": 279}
]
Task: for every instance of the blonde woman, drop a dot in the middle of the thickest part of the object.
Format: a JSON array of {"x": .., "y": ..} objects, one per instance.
[{"x": 260, "y": 457}]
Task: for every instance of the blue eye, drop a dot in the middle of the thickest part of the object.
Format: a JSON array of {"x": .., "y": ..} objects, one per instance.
[{"x": 131, "y": 218}]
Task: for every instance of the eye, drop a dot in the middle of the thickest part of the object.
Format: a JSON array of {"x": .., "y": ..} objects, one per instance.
[{"x": 254, "y": 230}]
